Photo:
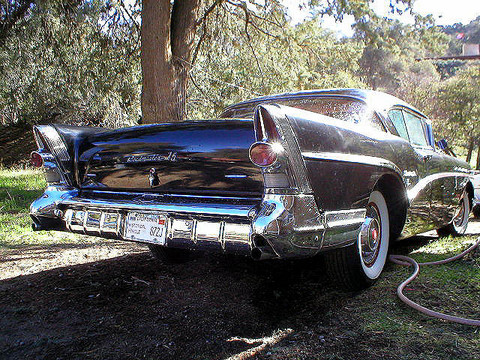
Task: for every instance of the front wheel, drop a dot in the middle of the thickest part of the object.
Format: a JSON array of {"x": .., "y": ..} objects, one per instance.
[
  {"x": 459, "y": 224},
  {"x": 359, "y": 265}
]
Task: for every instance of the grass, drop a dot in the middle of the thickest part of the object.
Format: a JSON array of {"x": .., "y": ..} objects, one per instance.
[
  {"x": 18, "y": 189},
  {"x": 452, "y": 288}
]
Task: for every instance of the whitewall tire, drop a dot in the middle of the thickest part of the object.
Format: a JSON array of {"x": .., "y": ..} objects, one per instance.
[{"x": 358, "y": 266}]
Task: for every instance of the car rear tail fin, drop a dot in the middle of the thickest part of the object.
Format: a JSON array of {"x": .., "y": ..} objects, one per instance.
[
  {"x": 54, "y": 155},
  {"x": 265, "y": 129},
  {"x": 274, "y": 133}
]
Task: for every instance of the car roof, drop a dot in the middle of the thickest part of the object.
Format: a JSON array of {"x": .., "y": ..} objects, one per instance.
[{"x": 379, "y": 101}]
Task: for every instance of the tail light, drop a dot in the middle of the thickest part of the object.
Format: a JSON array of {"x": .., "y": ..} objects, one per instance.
[
  {"x": 265, "y": 151},
  {"x": 36, "y": 159},
  {"x": 263, "y": 154}
]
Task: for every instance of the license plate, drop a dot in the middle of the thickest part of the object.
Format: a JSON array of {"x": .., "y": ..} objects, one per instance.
[{"x": 146, "y": 227}]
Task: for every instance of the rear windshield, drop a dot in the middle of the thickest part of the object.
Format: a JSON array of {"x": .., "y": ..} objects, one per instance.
[{"x": 349, "y": 110}]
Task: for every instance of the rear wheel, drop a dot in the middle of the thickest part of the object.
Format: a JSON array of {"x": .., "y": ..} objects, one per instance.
[
  {"x": 169, "y": 255},
  {"x": 459, "y": 224},
  {"x": 359, "y": 265}
]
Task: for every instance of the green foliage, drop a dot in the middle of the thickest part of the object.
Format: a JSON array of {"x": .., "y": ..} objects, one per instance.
[
  {"x": 61, "y": 65},
  {"x": 360, "y": 9},
  {"x": 237, "y": 63},
  {"x": 391, "y": 49},
  {"x": 458, "y": 100}
]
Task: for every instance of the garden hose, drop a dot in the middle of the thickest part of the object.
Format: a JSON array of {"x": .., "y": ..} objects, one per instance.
[{"x": 408, "y": 261}]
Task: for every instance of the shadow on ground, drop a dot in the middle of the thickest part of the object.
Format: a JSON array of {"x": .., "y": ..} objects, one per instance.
[{"x": 134, "y": 307}]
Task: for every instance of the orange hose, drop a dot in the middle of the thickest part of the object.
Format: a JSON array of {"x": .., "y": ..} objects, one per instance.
[{"x": 408, "y": 261}]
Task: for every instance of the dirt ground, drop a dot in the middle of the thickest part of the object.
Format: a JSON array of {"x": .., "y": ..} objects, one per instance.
[{"x": 113, "y": 300}]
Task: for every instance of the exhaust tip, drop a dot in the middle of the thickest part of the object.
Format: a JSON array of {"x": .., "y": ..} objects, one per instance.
[
  {"x": 36, "y": 226},
  {"x": 41, "y": 223},
  {"x": 262, "y": 250}
]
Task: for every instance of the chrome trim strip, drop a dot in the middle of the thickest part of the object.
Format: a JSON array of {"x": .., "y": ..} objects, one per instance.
[
  {"x": 191, "y": 208},
  {"x": 342, "y": 218},
  {"x": 352, "y": 158},
  {"x": 236, "y": 176}
]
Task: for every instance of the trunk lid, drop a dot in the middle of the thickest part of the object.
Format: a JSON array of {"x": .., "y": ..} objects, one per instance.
[{"x": 193, "y": 157}]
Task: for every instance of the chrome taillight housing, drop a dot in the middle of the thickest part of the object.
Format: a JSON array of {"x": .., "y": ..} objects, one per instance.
[
  {"x": 265, "y": 151},
  {"x": 265, "y": 128},
  {"x": 276, "y": 150}
]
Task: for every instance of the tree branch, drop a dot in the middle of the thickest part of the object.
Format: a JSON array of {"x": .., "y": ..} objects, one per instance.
[
  {"x": 122, "y": 4},
  {"x": 217, "y": 104},
  {"x": 208, "y": 12},
  {"x": 243, "y": 6},
  {"x": 9, "y": 20},
  {"x": 198, "y": 46}
]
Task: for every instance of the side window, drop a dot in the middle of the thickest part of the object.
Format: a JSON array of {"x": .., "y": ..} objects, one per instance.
[
  {"x": 430, "y": 136},
  {"x": 397, "y": 119},
  {"x": 415, "y": 129}
]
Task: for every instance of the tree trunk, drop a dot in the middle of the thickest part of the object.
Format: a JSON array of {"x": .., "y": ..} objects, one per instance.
[
  {"x": 471, "y": 143},
  {"x": 478, "y": 159},
  {"x": 167, "y": 41},
  {"x": 184, "y": 17}
]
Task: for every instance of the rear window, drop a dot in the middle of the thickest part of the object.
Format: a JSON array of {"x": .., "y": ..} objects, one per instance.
[{"x": 348, "y": 110}]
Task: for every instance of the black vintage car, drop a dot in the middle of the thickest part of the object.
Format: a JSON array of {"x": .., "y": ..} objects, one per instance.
[{"x": 342, "y": 172}]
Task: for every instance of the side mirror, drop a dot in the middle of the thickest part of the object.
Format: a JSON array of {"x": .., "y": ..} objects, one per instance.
[{"x": 442, "y": 144}]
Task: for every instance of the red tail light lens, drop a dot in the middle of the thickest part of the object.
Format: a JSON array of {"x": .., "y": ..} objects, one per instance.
[
  {"x": 262, "y": 154},
  {"x": 36, "y": 159}
]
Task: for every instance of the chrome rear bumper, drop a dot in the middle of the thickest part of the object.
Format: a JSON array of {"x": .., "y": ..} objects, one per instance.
[
  {"x": 181, "y": 231},
  {"x": 277, "y": 226}
]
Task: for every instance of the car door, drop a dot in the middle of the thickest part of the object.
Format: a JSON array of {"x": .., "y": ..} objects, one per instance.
[
  {"x": 416, "y": 171},
  {"x": 433, "y": 163}
]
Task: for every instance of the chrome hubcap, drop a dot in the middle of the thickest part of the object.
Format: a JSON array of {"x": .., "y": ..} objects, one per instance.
[{"x": 370, "y": 236}]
